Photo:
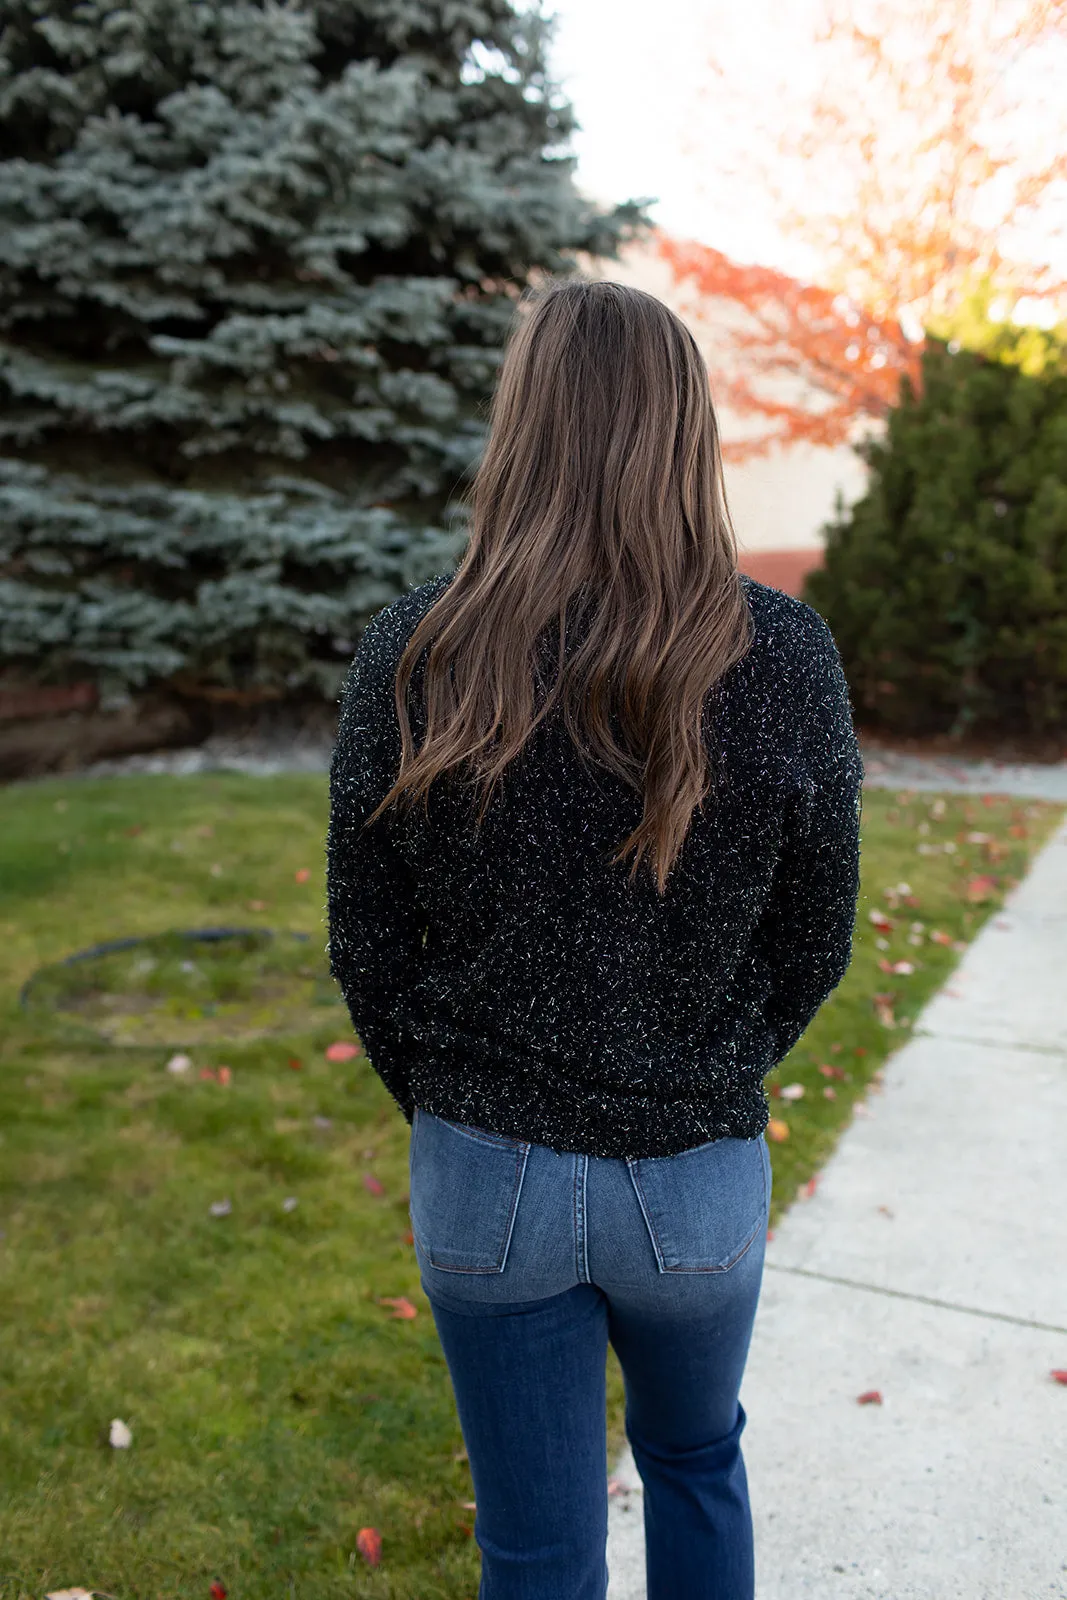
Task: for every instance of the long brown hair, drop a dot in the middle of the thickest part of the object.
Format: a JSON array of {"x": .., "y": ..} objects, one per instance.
[{"x": 600, "y": 488}]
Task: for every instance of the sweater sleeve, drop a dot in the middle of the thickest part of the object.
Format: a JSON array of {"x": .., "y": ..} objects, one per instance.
[
  {"x": 807, "y": 929},
  {"x": 375, "y": 926}
]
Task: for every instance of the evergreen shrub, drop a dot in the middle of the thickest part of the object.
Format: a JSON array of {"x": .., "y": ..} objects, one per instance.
[{"x": 946, "y": 584}]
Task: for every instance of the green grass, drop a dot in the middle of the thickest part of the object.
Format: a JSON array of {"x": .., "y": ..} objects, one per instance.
[{"x": 276, "y": 1405}]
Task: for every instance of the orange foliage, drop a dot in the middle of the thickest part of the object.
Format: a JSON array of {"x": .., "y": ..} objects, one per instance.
[{"x": 916, "y": 160}]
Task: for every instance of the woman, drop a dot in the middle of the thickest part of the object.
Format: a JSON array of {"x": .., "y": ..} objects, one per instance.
[{"x": 592, "y": 869}]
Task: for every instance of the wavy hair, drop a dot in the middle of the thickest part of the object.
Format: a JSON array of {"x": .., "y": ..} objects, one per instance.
[{"x": 599, "y": 499}]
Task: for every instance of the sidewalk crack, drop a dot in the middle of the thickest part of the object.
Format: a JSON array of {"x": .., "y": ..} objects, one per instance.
[{"x": 923, "y": 1299}]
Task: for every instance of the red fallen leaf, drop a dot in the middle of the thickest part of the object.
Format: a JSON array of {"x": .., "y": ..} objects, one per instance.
[
  {"x": 218, "y": 1591},
  {"x": 981, "y": 888},
  {"x": 938, "y": 937},
  {"x": 884, "y": 965},
  {"x": 860, "y": 1050},
  {"x": 987, "y": 799},
  {"x": 775, "y": 1091},
  {"x": 409, "y": 1237},
  {"x": 372, "y": 1183},
  {"x": 296, "y": 1064},
  {"x": 1059, "y": 1373},
  {"x": 224, "y": 1075},
  {"x": 777, "y": 1130},
  {"x": 869, "y": 1397},
  {"x": 831, "y": 1072},
  {"x": 1017, "y": 830},
  {"x": 208, "y": 1072},
  {"x": 302, "y": 874},
  {"x": 404, "y": 1310},
  {"x": 911, "y": 900},
  {"x": 342, "y": 1050},
  {"x": 811, "y": 1185},
  {"x": 880, "y": 921},
  {"x": 369, "y": 1545},
  {"x": 770, "y": 1233}
]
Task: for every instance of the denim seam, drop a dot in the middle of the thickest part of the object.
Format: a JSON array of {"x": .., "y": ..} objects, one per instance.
[{"x": 631, "y": 1163}]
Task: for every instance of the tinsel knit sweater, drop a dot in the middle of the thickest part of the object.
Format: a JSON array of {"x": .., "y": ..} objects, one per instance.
[{"x": 515, "y": 980}]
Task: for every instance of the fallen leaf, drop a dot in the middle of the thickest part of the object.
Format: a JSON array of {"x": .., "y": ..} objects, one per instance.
[
  {"x": 1059, "y": 1374},
  {"x": 290, "y": 1203},
  {"x": 793, "y": 1091},
  {"x": 472, "y": 1505},
  {"x": 342, "y": 1050},
  {"x": 881, "y": 921},
  {"x": 777, "y": 1130},
  {"x": 883, "y": 1010},
  {"x": 257, "y": 905},
  {"x": 295, "y": 1064},
  {"x": 179, "y": 1063},
  {"x": 120, "y": 1437},
  {"x": 404, "y": 1310},
  {"x": 409, "y": 1237},
  {"x": 615, "y": 1486},
  {"x": 885, "y": 1211},
  {"x": 978, "y": 838},
  {"x": 903, "y": 969},
  {"x": 369, "y": 1545},
  {"x": 811, "y": 1185},
  {"x": 770, "y": 1233},
  {"x": 132, "y": 833},
  {"x": 70, "y": 1594},
  {"x": 981, "y": 888},
  {"x": 216, "y": 869},
  {"x": 937, "y": 936},
  {"x": 207, "y": 1073},
  {"x": 869, "y": 1397},
  {"x": 372, "y": 1184},
  {"x": 831, "y": 1072},
  {"x": 224, "y": 1075},
  {"x": 829, "y": 1093},
  {"x": 775, "y": 1091},
  {"x": 1017, "y": 831},
  {"x": 220, "y": 1208},
  {"x": 302, "y": 874},
  {"x": 217, "y": 1591}
]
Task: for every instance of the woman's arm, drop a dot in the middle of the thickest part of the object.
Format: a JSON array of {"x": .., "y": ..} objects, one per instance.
[
  {"x": 375, "y": 929},
  {"x": 806, "y": 931}
]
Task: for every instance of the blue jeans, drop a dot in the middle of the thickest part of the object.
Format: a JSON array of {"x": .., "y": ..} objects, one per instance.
[{"x": 533, "y": 1261}]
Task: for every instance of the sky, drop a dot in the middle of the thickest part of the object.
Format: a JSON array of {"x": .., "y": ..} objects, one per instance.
[{"x": 636, "y": 72}]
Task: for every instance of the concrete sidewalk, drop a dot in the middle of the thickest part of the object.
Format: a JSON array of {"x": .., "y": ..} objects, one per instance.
[{"x": 930, "y": 1264}]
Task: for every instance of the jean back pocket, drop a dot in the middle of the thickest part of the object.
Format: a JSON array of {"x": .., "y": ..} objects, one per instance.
[
  {"x": 464, "y": 1192},
  {"x": 705, "y": 1206}
]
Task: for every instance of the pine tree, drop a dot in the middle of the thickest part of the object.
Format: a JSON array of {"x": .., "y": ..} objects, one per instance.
[{"x": 256, "y": 265}]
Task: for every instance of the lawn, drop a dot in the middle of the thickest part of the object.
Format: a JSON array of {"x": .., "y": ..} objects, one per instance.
[{"x": 208, "y": 1254}]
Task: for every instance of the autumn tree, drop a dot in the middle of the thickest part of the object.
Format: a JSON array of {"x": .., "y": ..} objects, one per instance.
[{"x": 927, "y": 159}]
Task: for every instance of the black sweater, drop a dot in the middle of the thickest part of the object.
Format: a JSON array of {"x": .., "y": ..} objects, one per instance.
[{"x": 516, "y": 980}]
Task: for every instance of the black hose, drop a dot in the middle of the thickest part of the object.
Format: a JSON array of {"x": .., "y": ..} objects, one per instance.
[{"x": 109, "y": 946}]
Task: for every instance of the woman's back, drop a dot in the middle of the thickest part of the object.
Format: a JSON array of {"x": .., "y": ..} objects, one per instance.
[{"x": 515, "y": 975}]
